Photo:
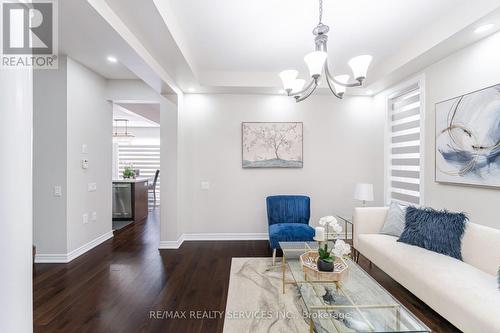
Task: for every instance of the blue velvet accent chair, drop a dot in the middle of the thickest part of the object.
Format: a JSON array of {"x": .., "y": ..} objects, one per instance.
[{"x": 288, "y": 219}]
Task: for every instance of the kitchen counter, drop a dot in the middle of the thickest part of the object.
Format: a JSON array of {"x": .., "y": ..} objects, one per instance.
[
  {"x": 130, "y": 199},
  {"x": 131, "y": 180}
]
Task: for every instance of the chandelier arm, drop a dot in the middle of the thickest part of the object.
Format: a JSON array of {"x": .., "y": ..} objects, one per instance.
[
  {"x": 309, "y": 85},
  {"x": 301, "y": 98},
  {"x": 333, "y": 90},
  {"x": 347, "y": 85}
]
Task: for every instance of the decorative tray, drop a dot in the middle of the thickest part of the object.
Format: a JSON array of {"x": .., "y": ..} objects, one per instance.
[{"x": 310, "y": 268}]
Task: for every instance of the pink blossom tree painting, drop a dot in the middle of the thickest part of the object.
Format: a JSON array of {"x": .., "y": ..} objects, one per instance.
[{"x": 272, "y": 145}]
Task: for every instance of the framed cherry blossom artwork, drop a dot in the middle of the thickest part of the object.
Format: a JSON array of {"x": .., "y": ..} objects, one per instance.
[{"x": 272, "y": 145}]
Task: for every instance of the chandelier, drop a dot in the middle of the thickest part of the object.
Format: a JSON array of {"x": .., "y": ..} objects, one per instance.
[
  {"x": 317, "y": 63},
  {"x": 118, "y": 134}
]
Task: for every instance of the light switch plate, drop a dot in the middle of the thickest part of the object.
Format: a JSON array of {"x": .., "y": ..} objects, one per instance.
[
  {"x": 94, "y": 216},
  {"x": 85, "y": 163},
  {"x": 58, "y": 191},
  {"x": 85, "y": 149},
  {"x": 92, "y": 187},
  {"x": 205, "y": 186},
  {"x": 85, "y": 218}
]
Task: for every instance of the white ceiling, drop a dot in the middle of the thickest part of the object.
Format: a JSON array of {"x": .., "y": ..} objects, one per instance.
[
  {"x": 231, "y": 46},
  {"x": 271, "y": 35},
  {"x": 150, "y": 111},
  {"x": 134, "y": 113},
  {"x": 86, "y": 37},
  {"x": 89, "y": 38}
]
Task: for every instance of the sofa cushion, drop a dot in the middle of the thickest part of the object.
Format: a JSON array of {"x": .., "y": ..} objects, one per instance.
[
  {"x": 289, "y": 232},
  {"x": 481, "y": 247},
  {"x": 462, "y": 293},
  {"x": 395, "y": 220},
  {"x": 438, "y": 231}
]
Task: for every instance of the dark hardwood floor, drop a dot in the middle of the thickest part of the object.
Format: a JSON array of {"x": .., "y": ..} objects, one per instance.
[{"x": 114, "y": 287}]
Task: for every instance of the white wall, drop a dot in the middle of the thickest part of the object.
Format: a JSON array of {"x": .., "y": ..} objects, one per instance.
[
  {"x": 70, "y": 109},
  {"x": 473, "y": 68},
  {"x": 16, "y": 89},
  {"x": 90, "y": 122},
  {"x": 343, "y": 145},
  {"x": 49, "y": 159}
]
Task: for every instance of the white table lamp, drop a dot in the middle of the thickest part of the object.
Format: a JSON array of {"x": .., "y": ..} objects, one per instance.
[{"x": 364, "y": 192}]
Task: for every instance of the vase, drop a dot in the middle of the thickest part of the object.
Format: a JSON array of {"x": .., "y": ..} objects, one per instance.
[{"x": 324, "y": 266}]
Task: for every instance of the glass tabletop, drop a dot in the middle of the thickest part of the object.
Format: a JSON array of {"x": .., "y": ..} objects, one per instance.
[{"x": 355, "y": 304}]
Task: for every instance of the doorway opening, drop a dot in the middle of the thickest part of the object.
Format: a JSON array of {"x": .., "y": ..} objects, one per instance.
[{"x": 136, "y": 162}]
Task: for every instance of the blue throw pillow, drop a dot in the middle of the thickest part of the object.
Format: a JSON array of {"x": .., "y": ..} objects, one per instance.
[{"x": 438, "y": 231}]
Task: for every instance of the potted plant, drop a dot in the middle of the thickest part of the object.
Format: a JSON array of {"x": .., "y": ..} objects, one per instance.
[
  {"x": 128, "y": 172},
  {"x": 325, "y": 261}
]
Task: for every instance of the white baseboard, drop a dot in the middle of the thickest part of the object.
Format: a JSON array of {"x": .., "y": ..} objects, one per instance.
[
  {"x": 172, "y": 244},
  {"x": 89, "y": 246},
  {"x": 220, "y": 236},
  {"x": 211, "y": 237},
  {"x": 225, "y": 236},
  {"x": 51, "y": 258},
  {"x": 65, "y": 258}
]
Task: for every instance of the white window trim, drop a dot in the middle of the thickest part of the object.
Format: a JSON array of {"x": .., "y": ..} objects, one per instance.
[{"x": 390, "y": 94}]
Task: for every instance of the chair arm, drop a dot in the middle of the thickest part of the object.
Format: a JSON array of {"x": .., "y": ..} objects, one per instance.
[{"x": 368, "y": 220}]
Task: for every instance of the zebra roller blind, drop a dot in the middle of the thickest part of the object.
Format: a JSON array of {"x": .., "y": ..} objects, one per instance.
[
  {"x": 404, "y": 174},
  {"x": 146, "y": 158}
]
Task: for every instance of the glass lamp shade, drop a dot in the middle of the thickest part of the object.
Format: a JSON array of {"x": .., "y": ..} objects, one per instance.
[
  {"x": 339, "y": 89},
  {"x": 315, "y": 61},
  {"x": 298, "y": 84},
  {"x": 288, "y": 78},
  {"x": 359, "y": 66}
]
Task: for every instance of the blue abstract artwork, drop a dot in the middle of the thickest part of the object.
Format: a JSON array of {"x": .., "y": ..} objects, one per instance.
[
  {"x": 272, "y": 145},
  {"x": 468, "y": 139}
]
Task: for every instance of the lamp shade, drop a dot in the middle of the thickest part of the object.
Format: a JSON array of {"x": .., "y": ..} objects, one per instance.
[
  {"x": 359, "y": 66},
  {"x": 363, "y": 192},
  {"x": 298, "y": 84},
  {"x": 339, "y": 89},
  {"x": 288, "y": 78},
  {"x": 315, "y": 61}
]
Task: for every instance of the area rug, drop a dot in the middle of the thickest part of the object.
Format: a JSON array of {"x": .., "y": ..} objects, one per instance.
[{"x": 255, "y": 301}]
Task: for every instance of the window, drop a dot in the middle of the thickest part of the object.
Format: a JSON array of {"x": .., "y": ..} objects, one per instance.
[
  {"x": 146, "y": 158},
  {"x": 405, "y": 143}
]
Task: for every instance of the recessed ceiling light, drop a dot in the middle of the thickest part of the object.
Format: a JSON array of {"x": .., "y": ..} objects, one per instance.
[
  {"x": 483, "y": 28},
  {"x": 112, "y": 59}
]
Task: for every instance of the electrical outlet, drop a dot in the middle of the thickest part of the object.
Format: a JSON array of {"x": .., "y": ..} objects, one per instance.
[
  {"x": 92, "y": 187},
  {"x": 85, "y": 218},
  {"x": 58, "y": 191},
  {"x": 94, "y": 216}
]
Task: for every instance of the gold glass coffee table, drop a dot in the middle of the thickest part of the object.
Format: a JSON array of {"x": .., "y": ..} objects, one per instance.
[{"x": 355, "y": 304}]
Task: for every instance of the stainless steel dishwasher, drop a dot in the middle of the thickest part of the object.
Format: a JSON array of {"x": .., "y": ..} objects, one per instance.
[{"x": 122, "y": 201}]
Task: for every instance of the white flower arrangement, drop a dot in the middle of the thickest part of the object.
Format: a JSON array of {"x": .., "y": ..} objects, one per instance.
[
  {"x": 330, "y": 221},
  {"x": 341, "y": 248}
]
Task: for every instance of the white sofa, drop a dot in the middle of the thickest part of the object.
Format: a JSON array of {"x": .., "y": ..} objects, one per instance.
[{"x": 464, "y": 292}]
